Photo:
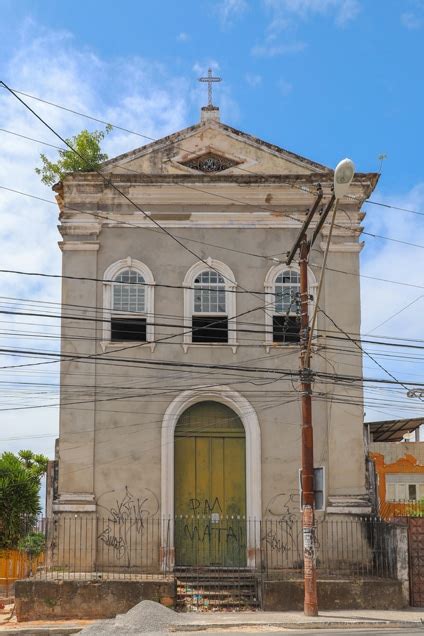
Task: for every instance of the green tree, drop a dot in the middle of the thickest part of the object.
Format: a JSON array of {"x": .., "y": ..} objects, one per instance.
[
  {"x": 87, "y": 145},
  {"x": 33, "y": 544},
  {"x": 20, "y": 477}
]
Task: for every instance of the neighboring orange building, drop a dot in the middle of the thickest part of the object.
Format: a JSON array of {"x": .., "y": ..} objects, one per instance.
[{"x": 398, "y": 476}]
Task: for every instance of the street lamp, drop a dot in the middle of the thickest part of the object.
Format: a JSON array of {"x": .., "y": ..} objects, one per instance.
[{"x": 343, "y": 175}]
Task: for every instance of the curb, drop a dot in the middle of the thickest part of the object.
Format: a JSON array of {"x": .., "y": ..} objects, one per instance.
[
  {"x": 181, "y": 629},
  {"x": 40, "y": 631},
  {"x": 319, "y": 625}
]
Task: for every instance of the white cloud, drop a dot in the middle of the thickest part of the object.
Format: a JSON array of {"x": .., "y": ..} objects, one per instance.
[
  {"x": 284, "y": 87},
  {"x": 393, "y": 260},
  {"x": 229, "y": 10},
  {"x": 285, "y": 16},
  {"x": 411, "y": 20},
  {"x": 134, "y": 93},
  {"x": 342, "y": 11},
  {"x": 253, "y": 79},
  {"x": 201, "y": 67},
  {"x": 381, "y": 300},
  {"x": 271, "y": 49},
  {"x": 183, "y": 37}
]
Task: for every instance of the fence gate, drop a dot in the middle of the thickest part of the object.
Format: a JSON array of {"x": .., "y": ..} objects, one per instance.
[{"x": 416, "y": 560}]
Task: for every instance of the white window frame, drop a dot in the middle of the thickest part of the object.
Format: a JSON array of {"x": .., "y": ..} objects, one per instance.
[
  {"x": 397, "y": 488},
  {"x": 230, "y": 301},
  {"x": 108, "y": 312},
  {"x": 270, "y": 300}
]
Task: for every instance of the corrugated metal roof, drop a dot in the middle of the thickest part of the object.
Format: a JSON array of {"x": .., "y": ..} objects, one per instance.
[{"x": 393, "y": 430}]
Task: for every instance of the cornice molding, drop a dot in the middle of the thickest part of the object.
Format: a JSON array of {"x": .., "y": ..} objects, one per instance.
[
  {"x": 78, "y": 246},
  {"x": 343, "y": 247}
]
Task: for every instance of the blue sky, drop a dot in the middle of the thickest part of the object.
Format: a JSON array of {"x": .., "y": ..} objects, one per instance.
[
  {"x": 340, "y": 78},
  {"x": 323, "y": 78}
]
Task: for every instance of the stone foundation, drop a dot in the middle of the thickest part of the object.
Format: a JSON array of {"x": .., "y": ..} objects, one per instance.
[
  {"x": 335, "y": 594},
  {"x": 44, "y": 600}
]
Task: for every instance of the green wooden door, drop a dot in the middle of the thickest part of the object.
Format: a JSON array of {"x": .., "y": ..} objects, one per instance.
[{"x": 210, "y": 487}]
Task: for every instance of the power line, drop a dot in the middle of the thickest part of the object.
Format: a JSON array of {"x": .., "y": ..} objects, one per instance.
[
  {"x": 98, "y": 308},
  {"x": 398, "y": 312},
  {"x": 144, "y": 136},
  {"x": 221, "y": 196},
  {"x": 110, "y": 183},
  {"x": 129, "y": 224},
  {"x": 366, "y": 352},
  {"x": 198, "y": 365}
]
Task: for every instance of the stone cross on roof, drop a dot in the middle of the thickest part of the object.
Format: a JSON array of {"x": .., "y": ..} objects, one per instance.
[{"x": 210, "y": 80}]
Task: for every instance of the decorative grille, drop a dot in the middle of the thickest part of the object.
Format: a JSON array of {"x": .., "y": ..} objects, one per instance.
[{"x": 210, "y": 163}]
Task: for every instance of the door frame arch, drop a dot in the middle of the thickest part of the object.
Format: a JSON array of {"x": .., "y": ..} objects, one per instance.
[{"x": 249, "y": 419}]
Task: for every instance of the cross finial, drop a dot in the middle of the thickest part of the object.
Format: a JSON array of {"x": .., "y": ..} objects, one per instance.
[{"x": 210, "y": 80}]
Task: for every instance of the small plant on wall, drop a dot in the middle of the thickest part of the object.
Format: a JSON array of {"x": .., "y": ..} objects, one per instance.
[{"x": 88, "y": 157}]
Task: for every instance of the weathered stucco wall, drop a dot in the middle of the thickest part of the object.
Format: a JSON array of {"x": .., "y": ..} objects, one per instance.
[
  {"x": 111, "y": 442},
  {"x": 393, "y": 451},
  {"x": 118, "y": 443}
]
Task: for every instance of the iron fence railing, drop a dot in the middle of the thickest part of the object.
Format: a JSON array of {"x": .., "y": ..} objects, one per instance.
[
  {"x": 401, "y": 508},
  {"x": 90, "y": 547},
  {"x": 348, "y": 548}
]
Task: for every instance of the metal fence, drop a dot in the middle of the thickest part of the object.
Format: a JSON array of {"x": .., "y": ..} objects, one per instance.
[
  {"x": 90, "y": 547},
  {"x": 394, "y": 509},
  {"x": 348, "y": 548}
]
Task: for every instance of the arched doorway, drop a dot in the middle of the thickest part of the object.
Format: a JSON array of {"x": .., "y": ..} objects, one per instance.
[
  {"x": 242, "y": 407},
  {"x": 210, "y": 487}
]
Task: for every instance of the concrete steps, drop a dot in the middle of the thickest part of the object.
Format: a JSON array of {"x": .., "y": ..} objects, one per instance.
[{"x": 202, "y": 589}]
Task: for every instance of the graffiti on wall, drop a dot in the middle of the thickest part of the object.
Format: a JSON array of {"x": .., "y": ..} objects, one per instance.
[
  {"x": 281, "y": 521},
  {"x": 205, "y": 506},
  {"x": 126, "y": 520},
  {"x": 208, "y": 525}
]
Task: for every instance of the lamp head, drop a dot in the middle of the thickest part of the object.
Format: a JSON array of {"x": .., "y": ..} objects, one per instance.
[{"x": 343, "y": 176}]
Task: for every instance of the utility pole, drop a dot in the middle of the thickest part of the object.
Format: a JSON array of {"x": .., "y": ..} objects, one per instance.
[
  {"x": 343, "y": 176},
  {"x": 308, "y": 494}
]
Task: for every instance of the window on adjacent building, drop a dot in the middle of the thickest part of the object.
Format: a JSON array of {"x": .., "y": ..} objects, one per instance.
[
  {"x": 404, "y": 487},
  {"x": 286, "y": 318},
  {"x": 209, "y": 318}
]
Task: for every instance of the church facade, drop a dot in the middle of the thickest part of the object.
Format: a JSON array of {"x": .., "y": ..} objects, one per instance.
[{"x": 182, "y": 321}]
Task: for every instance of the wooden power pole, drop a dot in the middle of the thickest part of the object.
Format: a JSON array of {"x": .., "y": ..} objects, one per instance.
[
  {"x": 308, "y": 493},
  {"x": 343, "y": 176},
  {"x": 307, "y": 471}
]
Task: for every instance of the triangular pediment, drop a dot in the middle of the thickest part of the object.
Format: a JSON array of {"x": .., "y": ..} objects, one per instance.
[{"x": 211, "y": 147}]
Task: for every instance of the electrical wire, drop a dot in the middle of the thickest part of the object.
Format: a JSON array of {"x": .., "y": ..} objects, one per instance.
[{"x": 153, "y": 139}]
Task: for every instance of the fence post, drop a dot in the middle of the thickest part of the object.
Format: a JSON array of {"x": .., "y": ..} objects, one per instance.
[{"x": 402, "y": 559}]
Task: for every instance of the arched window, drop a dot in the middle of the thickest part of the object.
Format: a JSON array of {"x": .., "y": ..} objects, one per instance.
[
  {"x": 210, "y": 303},
  {"x": 286, "y": 318},
  {"x": 282, "y": 285},
  {"x": 128, "y": 302},
  {"x": 128, "y": 292},
  {"x": 287, "y": 287},
  {"x": 209, "y": 293}
]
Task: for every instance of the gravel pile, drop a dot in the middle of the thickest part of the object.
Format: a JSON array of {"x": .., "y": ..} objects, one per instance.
[{"x": 147, "y": 616}]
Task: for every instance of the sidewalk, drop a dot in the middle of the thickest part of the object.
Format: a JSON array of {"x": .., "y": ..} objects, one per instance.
[
  {"x": 411, "y": 617},
  {"x": 257, "y": 621}
]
